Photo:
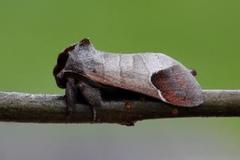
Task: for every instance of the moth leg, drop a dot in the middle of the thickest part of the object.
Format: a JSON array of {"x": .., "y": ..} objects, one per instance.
[
  {"x": 92, "y": 96},
  {"x": 70, "y": 95}
]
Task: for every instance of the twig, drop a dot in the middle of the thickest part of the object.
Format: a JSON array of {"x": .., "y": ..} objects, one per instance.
[{"x": 25, "y": 107}]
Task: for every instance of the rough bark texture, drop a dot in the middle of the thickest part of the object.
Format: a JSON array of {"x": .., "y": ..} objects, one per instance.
[{"x": 25, "y": 107}]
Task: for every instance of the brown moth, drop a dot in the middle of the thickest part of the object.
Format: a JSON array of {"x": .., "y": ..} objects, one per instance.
[{"x": 83, "y": 69}]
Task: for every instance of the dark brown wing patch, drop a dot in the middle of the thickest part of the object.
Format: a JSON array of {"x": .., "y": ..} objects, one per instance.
[{"x": 178, "y": 86}]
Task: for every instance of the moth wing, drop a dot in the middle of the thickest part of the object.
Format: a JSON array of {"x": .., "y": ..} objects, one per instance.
[{"x": 178, "y": 86}]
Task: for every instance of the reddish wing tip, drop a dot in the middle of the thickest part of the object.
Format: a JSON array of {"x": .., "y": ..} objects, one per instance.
[{"x": 178, "y": 86}]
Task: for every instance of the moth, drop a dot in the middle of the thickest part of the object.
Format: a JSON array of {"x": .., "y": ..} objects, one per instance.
[{"x": 82, "y": 69}]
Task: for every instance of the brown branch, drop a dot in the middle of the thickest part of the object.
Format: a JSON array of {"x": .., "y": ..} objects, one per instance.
[{"x": 24, "y": 107}]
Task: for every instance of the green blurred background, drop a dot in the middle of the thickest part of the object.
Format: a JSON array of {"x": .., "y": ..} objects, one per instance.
[{"x": 201, "y": 34}]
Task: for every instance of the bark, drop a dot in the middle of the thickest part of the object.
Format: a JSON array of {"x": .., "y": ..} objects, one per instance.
[{"x": 48, "y": 108}]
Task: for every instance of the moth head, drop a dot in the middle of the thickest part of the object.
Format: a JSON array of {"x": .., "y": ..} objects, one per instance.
[
  {"x": 61, "y": 62},
  {"x": 63, "y": 58}
]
